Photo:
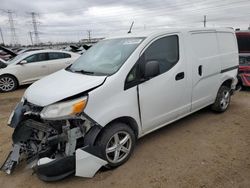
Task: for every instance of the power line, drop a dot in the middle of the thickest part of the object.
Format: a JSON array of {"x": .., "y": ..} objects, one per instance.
[
  {"x": 89, "y": 35},
  {"x": 35, "y": 23},
  {"x": 2, "y": 35},
  {"x": 31, "y": 40},
  {"x": 14, "y": 40}
]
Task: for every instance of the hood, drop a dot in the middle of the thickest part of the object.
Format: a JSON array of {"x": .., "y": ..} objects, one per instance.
[{"x": 60, "y": 85}]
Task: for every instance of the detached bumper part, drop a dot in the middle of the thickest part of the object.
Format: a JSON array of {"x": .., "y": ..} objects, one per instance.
[
  {"x": 83, "y": 164},
  {"x": 87, "y": 164},
  {"x": 54, "y": 170},
  {"x": 12, "y": 159}
]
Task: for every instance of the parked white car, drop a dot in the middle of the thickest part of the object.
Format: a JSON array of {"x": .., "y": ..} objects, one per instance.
[
  {"x": 91, "y": 114},
  {"x": 30, "y": 66}
]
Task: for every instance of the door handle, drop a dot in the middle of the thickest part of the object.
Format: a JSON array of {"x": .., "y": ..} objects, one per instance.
[
  {"x": 179, "y": 76},
  {"x": 200, "y": 70}
]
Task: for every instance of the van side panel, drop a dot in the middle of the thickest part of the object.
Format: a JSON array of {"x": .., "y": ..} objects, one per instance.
[
  {"x": 228, "y": 50},
  {"x": 206, "y": 70},
  {"x": 229, "y": 56}
]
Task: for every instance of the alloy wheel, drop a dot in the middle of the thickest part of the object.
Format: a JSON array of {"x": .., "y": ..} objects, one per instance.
[
  {"x": 118, "y": 147},
  {"x": 7, "y": 84},
  {"x": 225, "y": 100}
]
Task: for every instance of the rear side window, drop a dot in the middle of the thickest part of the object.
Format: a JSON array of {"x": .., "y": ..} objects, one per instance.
[
  {"x": 37, "y": 58},
  {"x": 58, "y": 55},
  {"x": 165, "y": 51},
  {"x": 66, "y": 55}
]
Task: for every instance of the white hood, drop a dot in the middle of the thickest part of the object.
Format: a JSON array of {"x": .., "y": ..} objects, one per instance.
[{"x": 60, "y": 85}]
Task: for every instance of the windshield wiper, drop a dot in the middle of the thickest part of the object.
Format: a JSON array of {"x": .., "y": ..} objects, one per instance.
[{"x": 83, "y": 72}]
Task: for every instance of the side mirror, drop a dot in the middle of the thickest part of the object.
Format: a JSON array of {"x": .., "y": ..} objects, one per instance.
[
  {"x": 152, "y": 69},
  {"x": 22, "y": 62}
]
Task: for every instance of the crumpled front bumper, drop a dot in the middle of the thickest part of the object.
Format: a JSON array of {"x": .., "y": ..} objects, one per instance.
[{"x": 84, "y": 161}]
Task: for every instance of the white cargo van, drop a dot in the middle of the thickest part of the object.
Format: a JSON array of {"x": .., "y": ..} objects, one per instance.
[{"x": 91, "y": 114}]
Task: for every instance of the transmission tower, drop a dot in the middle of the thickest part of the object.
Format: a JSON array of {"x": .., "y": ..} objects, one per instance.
[
  {"x": 35, "y": 23},
  {"x": 14, "y": 40}
]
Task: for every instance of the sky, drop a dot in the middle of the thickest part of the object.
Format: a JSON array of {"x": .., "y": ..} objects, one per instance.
[{"x": 70, "y": 20}]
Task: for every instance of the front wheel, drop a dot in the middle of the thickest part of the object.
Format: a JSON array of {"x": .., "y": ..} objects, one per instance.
[
  {"x": 7, "y": 83},
  {"x": 116, "y": 142},
  {"x": 222, "y": 100}
]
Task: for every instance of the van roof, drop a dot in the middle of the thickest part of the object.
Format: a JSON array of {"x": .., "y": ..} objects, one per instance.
[{"x": 170, "y": 30}]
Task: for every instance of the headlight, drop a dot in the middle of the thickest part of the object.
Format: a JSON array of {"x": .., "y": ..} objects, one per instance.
[{"x": 64, "y": 109}]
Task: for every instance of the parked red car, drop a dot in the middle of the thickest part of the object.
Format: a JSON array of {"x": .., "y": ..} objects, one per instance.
[{"x": 243, "y": 38}]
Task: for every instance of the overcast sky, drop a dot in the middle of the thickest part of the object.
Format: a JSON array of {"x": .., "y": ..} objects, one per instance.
[{"x": 69, "y": 20}]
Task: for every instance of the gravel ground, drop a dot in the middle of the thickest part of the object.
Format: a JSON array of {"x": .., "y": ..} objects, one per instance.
[{"x": 201, "y": 150}]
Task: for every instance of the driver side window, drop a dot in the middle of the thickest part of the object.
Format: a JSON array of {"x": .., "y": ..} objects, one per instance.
[
  {"x": 36, "y": 58},
  {"x": 164, "y": 50}
]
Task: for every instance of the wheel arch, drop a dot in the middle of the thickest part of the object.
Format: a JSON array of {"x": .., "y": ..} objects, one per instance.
[
  {"x": 8, "y": 74},
  {"x": 125, "y": 119},
  {"x": 228, "y": 82}
]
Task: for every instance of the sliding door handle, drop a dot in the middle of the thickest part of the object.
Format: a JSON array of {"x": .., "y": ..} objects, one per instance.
[{"x": 200, "y": 70}]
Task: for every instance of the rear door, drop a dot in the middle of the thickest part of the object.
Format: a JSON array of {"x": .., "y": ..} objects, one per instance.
[
  {"x": 58, "y": 60},
  {"x": 35, "y": 68},
  {"x": 206, "y": 67},
  {"x": 166, "y": 96}
]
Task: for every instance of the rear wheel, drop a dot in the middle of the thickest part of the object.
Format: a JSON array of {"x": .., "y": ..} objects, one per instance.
[
  {"x": 116, "y": 143},
  {"x": 8, "y": 83},
  {"x": 222, "y": 100}
]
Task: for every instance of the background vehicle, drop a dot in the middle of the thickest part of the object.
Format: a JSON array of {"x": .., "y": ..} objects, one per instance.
[
  {"x": 121, "y": 89},
  {"x": 243, "y": 38},
  {"x": 31, "y": 66}
]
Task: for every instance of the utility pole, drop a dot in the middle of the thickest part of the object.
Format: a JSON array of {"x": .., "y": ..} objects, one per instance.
[
  {"x": 89, "y": 35},
  {"x": 205, "y": 21},
  {"x": 30, "y": 33},
  {"x": 35, "y": 23},
  {"x": 1, "y": 35}
]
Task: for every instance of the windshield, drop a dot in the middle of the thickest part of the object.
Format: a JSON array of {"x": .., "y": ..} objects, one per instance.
[
  {"x": 18, "y": 58},
  {"x": 106, "y": 57}
]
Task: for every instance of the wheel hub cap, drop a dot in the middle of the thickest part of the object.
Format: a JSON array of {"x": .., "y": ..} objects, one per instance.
[
  {"x": 225, "y": 99},
  {"x": 118, "y": 147},
  {"x": 7, "y": 84}
]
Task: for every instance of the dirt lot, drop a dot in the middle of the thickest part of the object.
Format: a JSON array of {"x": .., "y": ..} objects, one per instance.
[{"x": 202, "y": 150}]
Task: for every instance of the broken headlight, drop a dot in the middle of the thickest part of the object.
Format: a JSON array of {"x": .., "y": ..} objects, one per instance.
[{"x": 65, "y": 109}]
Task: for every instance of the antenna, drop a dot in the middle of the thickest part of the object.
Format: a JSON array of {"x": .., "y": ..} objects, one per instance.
[{"x": 130, "y": 29}]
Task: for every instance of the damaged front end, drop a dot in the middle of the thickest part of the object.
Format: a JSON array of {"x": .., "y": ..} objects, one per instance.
[{"x": 54, "y": 146}]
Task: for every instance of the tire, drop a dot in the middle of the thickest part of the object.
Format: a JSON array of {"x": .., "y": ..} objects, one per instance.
[
  {"x": 116, "y": 143},
  {"x": 223, "y": 100},
  {"x": 8, "y": 83}
]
